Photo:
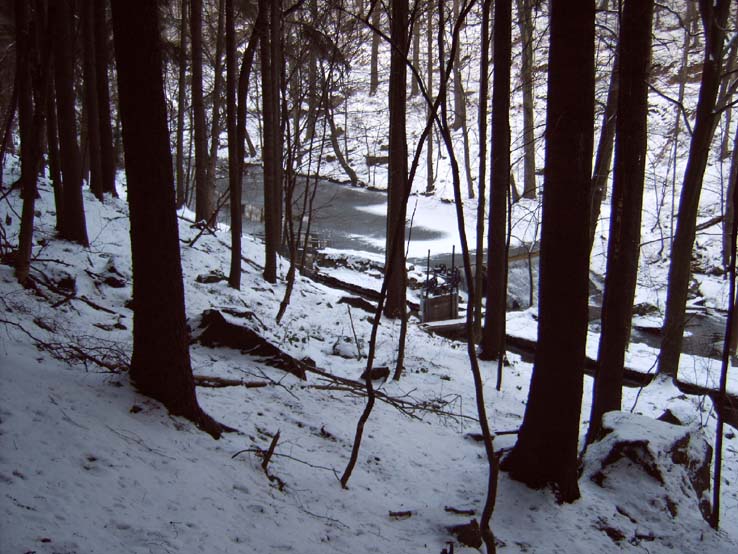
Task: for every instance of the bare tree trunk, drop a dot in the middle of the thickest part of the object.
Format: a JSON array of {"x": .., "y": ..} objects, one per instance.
[
  {"x": 429, "y": 186},
  {"x": 714, "y": 20},
  {"x": 87, "y": 13},
  {"x": 397, "y": 169},
  {"x": 603, "y": 159},
  {"x": 52, "y": 141},
  {"x": 217, "y": 95},
  {"x": 160, "y": 365},
  {"x": 203, "y": 193},
  {"x": 374, "y": 61},
  {"x": 547, "y": 447},
  {"x": 414, "y": 87},
  {"x": 493, "y": 337},
  {"x": 270, "y": 74},
  {"x": 627, "y": 201},
  {"x": 730, "y": 331},
  {"x": 107, "y": 154},
  {"x": 525, "y": 23},
  {"x": 459, "y": 96},
  {"x": 74, "y": 228},
  {"x": 181, "y": 97},
  {"x": 235, "y": 150},
  {"x": 479, "y": 273}
]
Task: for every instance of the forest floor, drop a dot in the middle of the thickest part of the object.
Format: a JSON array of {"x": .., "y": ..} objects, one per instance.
[{"x": 89, "y": 465}]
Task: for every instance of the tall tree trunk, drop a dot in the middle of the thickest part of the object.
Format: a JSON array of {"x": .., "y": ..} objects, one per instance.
[
  {"x": 479, "y": 273},
  {"x": 525, "y": 23},
  {"x": 397, "y": 169},
  {"x": 102, "y": 55},
  {"x": 714, "y": 20},
  {"x": 217, "y": 95},
  {"x": 459, "y": 96},
  {"x": 181, "y": 97},
  {"x": 414, "y": 87},
  {"x": 429, "y": 186},
  {"x": 74, "y": 225},
  {"x": 546, "y": 450},
  {"x": 52, "y": 140},
  {"x": 203, "y": 194},
  {"x": 234, "y": 152},
  {"x": 272, "y": 153},
  {"x": 160, "y": 365},
  {"x": 374, "y": 59},
  {"x": 627, "y": 201},
  {"x": 25, "y": 54},
  {"x": 87, "y": 13},
  {"x": 493, "y": 338},
  {"x": 603, "y": 159}
]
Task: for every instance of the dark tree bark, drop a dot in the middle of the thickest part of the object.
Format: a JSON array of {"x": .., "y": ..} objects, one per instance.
[
  {"x": 429, "y": 186},
  {"x": 102, "y": 56},
  {"x": 546, "y": 450},
  {"x": 603, "y": 159},
  {"x": 74, "y": 226},
  {"x": 272, "y": 154},
  {"x": 525, "y": 23},
  {"x": 52, "y": 141},
  {"x": 160, "y": 365},
  {"x": 627, "y": 200},
  {"x": 24, "y": 59},
  {"x": 714, "y": 20},
  {"x": 203, "y": 194},
  {"x": 217, "y": 95},
  {"x": 374, "y": 60},
  {"x": 493, "y": 337},
  {"x": 87, "y": 13},
  {"x": 181, "y": 97},
  {"x": 397, "y": 168},
  {"x": 234, "y": 152},
  {"x": 479, "y": 273}
]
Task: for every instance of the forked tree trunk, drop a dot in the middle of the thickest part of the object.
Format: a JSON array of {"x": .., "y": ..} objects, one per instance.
[
  {"x": 160, "y": 365},
  {"x": 627, "y": 201},
  {"x": 546, "y": 450}
]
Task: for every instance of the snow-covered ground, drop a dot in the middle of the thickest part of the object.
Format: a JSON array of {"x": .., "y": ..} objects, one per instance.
[{"x": 89, "y": 465}]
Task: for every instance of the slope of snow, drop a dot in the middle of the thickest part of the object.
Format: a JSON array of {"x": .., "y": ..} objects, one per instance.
[{"x": 89, "y": 465}]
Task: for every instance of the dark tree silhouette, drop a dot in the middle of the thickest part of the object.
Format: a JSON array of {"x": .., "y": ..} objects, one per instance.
[
  {"x": 74, "y": 227},
  {"x": 714, "y": 19},
  {"x": 627, "y": 201},
  {"x": 203, "y": 194},
  {"x": 546, "y": 450},
  {"x": 160, "y": 365},
  {"x": 493, "y": 337},
  {"x": 397, "y": 169},
  {"x": 102, "y": 56}
]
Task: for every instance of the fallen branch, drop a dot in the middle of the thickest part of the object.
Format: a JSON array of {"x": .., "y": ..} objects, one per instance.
[{"x": 222, "y": 382}]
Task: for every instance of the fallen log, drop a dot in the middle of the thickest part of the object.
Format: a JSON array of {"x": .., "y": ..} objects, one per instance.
[{"x": 217, "y": 330}]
